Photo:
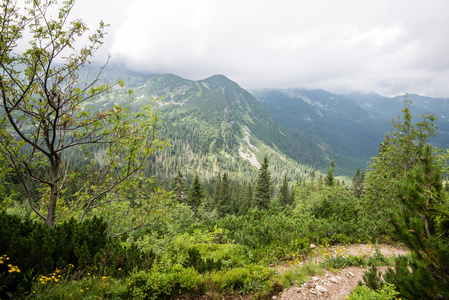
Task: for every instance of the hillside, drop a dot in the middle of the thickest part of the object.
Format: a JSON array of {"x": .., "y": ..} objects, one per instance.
[
  {"x": 352, "y": 125},
  {"x": 216, "y": 126}
]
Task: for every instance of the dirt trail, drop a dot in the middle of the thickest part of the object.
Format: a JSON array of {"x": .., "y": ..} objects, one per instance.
[{"x": 338, "y": 285}]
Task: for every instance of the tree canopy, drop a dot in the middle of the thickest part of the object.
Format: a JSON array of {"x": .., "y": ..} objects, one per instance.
[{"x": 46, "y": 119}]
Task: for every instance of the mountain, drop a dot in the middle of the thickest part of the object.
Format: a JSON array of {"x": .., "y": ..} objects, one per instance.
[
  {"x": 338, "y": 121},
  {"x": 385, "y": 109},
  {"x": 216, "y": 126},
  {"x": 352, "y": 125}
]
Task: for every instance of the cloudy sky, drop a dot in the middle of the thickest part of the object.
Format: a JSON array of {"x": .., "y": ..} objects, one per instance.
[{"x": 383, "y": 46}]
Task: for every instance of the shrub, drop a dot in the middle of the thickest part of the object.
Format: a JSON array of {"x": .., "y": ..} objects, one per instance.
[{"x": 363, "y": 292}]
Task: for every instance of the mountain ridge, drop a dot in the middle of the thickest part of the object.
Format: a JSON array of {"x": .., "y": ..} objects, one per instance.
[{"x": 219, "y": 123}]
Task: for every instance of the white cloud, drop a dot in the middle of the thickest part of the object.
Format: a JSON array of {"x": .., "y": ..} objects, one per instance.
[{"x": 390, "y": 47}]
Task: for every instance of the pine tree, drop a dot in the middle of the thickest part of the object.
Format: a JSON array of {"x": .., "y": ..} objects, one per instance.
[
  {"x": 250, "y": 196},
  {"x": 357, "y": 184},
  {"x": 196, "y": 195},
  {"x": 422, "y": 224},
  {"x": 284, "y": 197},
  {"x": 263, "y": 186},
  {"x": 329, "y": 179},
  {"x": 179, "y": 188},
  {"x": 217, "y": 189},
  {"x": 224, "y": 199}
]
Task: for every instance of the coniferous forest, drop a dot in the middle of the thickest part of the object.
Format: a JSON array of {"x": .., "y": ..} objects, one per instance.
[{"x": 108, "y": 194}]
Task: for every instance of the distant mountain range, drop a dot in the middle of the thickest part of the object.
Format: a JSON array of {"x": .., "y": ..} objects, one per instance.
[{"x": 216, "y": 126}]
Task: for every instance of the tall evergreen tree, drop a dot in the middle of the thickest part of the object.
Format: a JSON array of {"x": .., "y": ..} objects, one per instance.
[
  {"x": 357, "y": 184},
  {"x": 263, "y": 185},
  {"x": 179, "y": 188},
  {"x": 217, "y": 189},
  {"x": 422, "y": 223},
  {"x": 284, "y": 197},
  {"x": 196, "y": 195},
  {"x": 250, "y": 196},
  {"x": 224, "y": 200},
  {"x": 329, "y": 179}
]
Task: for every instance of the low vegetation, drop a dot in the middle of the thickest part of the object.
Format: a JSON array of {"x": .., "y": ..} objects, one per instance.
[{"x": 103, "y": 228}]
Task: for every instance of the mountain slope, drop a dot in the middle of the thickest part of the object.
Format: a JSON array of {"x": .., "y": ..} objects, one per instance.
[
  {"x": 353, "y": 125},
  {"x": 216, "y": 126},
  {"x": 384, "y": 109},
  {"x": 336, "y": 120}
]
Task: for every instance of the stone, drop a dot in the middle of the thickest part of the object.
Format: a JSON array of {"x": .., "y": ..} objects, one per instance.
[
  {"x": 312, "y": 246},
  {"x": 351, "y": 274},
  {"x": 315, "y": 278},
  {"x": 321, "y": 289},
  {"x": 333, "y": 279}
]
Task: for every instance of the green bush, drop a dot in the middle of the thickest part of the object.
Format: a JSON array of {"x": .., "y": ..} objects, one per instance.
[
  {"x": 166, "y": 284},
  {"x": 37, "y": 249},
  {"x": 363, "y": 292}
]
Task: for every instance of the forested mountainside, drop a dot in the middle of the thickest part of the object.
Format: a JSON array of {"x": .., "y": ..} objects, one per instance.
[
  {"x": 214, "y": 125},
  {"x": 353, "y": 125},
  {"x": 170, "y": 188}
]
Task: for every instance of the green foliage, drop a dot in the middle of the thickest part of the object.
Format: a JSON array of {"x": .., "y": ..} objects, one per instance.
[
  {"x": 168, "y": 284},
  {"x": 362, "y": 292},
  {"x": 422, "y": 224},
  {"x": 37, "y": 249},
  {"x": 46, "y": 117},
  {"x": 88, "y": 287},
  {"x": 372, "y": 278},
  {"x": 223, "y": 197},
  {"x": 263, "y": 185},
  {"x": 284, "y": 196},
  {"x": 398, "y": 154},
  {"x": 196, "y": 195},
  {"x": 329, "y": 179}
]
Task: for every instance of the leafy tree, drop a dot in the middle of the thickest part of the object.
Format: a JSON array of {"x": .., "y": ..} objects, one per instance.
[
  {"x": 263, "y": 185},
  {"x": 422, "y": 223},
  {"x": 196, "y": 195},
  {"x": 46, "y": 116}
]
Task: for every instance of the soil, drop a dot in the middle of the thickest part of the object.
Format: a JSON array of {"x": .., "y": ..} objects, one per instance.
[{"x": 334, "y": 285}]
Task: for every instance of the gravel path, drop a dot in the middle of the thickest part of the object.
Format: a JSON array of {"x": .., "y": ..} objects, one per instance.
[{"x": 338, "y": 285}]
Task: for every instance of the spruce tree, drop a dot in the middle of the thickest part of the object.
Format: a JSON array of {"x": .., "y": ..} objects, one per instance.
[
  {"x": 422, "y": 223},
  {"x": 179, "y": 188},
  {"x": 283, "y": 193},
  {"x": 250, "y": 196},
  {"x": 263, "y": 186},
  {"x": 217, "y": 189},
  {"x": 357, "y": 184},
  {"x": 196, "y": 195},
  {"x": 329, "y": 179},
  {"x": 224, "y": 198}
]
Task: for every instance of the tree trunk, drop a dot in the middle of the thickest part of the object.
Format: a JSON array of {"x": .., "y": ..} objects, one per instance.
[{"x": 54, "y": 190}]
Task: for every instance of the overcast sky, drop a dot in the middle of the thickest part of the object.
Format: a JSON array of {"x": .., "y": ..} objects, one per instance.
[{"x": 388, "y": 47}]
